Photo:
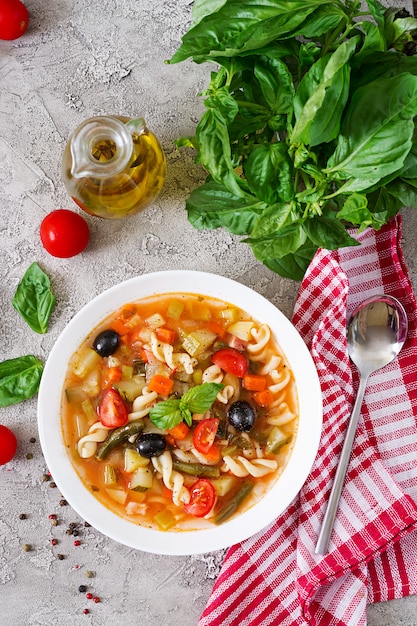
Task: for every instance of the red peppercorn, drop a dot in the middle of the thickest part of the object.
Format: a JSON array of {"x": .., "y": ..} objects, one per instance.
[
  {"x": 96, "y": 599},
  {"x": 89, "y": 595},
  {"x": 54, "y": 542},
  {"x": 77, "y": 542},
  {"x": 86, "y": 611},
  {"x": 52, "y": 516}
]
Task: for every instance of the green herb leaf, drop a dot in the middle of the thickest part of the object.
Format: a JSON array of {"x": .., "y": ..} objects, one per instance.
[
  {"x": 166, "y": 414},
  {"x": 34, "y": 300},
  {"x": 19, "y": 379},
  {"x": 200, "y": 398}
]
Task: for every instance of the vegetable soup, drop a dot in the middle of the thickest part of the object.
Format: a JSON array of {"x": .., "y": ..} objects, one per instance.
[{"x": 179, "y": 411}]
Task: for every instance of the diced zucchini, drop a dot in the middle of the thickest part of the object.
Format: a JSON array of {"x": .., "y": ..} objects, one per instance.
[
  {"x": 133, "y": 460},
  {"x": 85, "y": 361},
  {"x": 198, "y": 341},
  {"x": 89, "y": 411},
  {"x": 132, "y": 388},
  {"x": 127, "y": 372},
  {"x": 118, "y": 495},
  {"x": 92, "y": 384},
  {"x": 110, "y": 475},
  {"x": 175, "y": 309},
  {"x": 198, "y": 376},
  {"x": 241, "y": 329},
  {"x": 155, "y": 321},
  {"x": 75, "y": 393},
  {"x": 276, "y": 439},
  {"x": 230, "y": 315},
  {"x": 165, "y": 519},
  {"x": 142, "y": 479},
  {"x": 199, "y": 311},
  {"x": 224, "y": 484}
]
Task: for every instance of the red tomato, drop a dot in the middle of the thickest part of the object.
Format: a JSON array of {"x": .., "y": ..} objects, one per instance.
[
  {"x": 64, "y": 233},
  {"x": 203, "y": 497},
  {"x": 112, "y": 409},
  {"x": 204, "y": 434},
  {"x": 14, "y": 19},
  {"x": 231, "y": 361},
  {"x": 8, "y": 445}
]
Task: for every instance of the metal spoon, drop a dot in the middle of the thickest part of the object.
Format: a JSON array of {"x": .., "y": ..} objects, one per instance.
[{"x": 376, "y": 333}]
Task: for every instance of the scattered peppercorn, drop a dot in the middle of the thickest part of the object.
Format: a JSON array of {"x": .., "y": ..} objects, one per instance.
[
  {"x": 77, "y": 543},
  {"x": 45, "y": 478},
  {"x": 86, "y": 611},
  {"x": 75, "y": 532},
  {"x": 54, "y": 541},
  {"x": 63, "y": 502},
  {"x": 27, "y": 547},
  {"x": 61, "y": 557},
  {"x": 96, "y": 599},
  {"x": 90, "y": 574},
  {"x": 22, "y": 516},
  {"x": 52, "y": 516},
  {"x": 82, "y": 588},
  {"x": 29, "y": 456},
  {"x": 32, "y": 440},
  {"x": 89, "y": 595},
  {"x": 52, "y": 485},
  {"x": 87, "y": 525}
]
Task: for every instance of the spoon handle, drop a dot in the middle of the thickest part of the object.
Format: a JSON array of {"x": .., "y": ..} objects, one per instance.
[{"x": 339, "y": 479}]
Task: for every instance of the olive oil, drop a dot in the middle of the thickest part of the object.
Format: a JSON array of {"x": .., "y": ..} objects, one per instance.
[{"x": 105, "y": 189}]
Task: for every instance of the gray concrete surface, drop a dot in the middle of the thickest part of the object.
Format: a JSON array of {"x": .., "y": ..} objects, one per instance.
[{"x": 81, "y": 58}]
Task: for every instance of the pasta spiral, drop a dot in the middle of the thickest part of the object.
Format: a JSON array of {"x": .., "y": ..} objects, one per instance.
[{"x": 87, "y": 445}]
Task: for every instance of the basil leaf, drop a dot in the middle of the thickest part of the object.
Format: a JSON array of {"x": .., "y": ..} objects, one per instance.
[
  {"x": 200, "y": 398},
  {"x": 278, "y": 243},
  {"x": 326, "y": 231},
  {"x": 293, "y": 265},
  {"x": 268, "y": 171},
  {"x": 34, "y": 300},
  {"x": 377, "y": 145},
  {"x": 167, "y": 414},
  {"x": 19, "y": 379},
  {"x": 213, "y": 206}
]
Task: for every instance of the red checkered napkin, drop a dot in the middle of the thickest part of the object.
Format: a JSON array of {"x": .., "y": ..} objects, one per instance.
[{"x": 275, "y": 577}]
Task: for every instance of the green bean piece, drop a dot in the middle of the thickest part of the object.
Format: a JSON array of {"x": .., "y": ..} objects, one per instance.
[
  {"x": 196, "y": 469},
  {"x": 118, "y": 436},
  {"x": 230, "y": 507}
]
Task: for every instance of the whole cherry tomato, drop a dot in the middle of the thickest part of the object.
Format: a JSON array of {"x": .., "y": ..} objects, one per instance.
[
  {"x": 112, "y": 409},
  {"x": 8, "y": 445},
  {"x": 64, "y": 233},
  {"x": 14, "y": 19},
  {"x": 231, "y": 361},
  {"x": 202, "y": 498}
]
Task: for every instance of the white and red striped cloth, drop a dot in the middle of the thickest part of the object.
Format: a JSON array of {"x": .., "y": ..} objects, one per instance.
[{"x": 275, "y": 577}]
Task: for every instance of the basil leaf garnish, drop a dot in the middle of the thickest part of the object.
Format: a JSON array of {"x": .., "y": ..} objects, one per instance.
[
  {"x": 34, "y": 300},
  {"x": 19, "y": 379}
]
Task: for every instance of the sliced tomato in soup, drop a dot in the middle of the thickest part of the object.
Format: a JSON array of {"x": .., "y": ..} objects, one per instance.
[
  {"x": 112, "y": 410},
  {"x": 231, "y": 361},
  {"x": 202, "y": 498},
  {"x": 204, "y": 434}
]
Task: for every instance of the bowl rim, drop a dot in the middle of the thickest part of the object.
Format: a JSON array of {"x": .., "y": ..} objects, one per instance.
[{"x": 260, "y": 515}]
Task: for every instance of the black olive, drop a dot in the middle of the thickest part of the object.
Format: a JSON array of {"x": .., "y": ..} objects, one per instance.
[
  {"x": 241, "y": 415},
  {"x": 106, "y": 342},
  {"x": 151, "y": 444}
]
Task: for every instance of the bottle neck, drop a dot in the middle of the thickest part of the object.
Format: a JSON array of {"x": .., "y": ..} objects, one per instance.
[{"x": 101, "y": 146}]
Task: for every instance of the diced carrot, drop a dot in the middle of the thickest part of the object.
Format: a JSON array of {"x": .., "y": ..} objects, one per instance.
[
  {"x": 127, "y": 311},
  {"x": 161, "y": 384},
  {"x": 263, "y": 398},
  {"x": 180, "y": 431},
  {"x": 254, "y": 382},
  {"x": 113, "y": 374},
  {"x": 119, "y": 327},
  {"x": 165, "y": 334},
  {"x": 217, "y": 328}
]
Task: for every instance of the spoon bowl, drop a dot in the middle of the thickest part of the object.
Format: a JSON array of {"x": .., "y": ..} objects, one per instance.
[{"x": 376, "y": 333}]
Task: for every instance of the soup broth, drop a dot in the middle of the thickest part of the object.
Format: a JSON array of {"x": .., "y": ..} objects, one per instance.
[{"x": 179, "y": 411}]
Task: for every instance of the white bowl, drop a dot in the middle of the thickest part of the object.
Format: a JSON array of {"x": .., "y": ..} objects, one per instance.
[{"x": 199, "y": 541}]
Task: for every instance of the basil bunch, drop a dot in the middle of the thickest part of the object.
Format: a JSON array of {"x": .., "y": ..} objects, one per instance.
[{"x": 309, "y": 125}]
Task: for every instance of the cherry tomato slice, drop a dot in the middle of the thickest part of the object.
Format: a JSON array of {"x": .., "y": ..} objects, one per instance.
[
  {"x": 14, "y": 19},
  {"x": 8, "y": 445},
  {"x": 64, "y": 233},
  {"x": 231, "y": 361},
  {"x": 203, "y": 497},
  {"x": 204, "y": 434},
  {"x": 112, "y": 409}
]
